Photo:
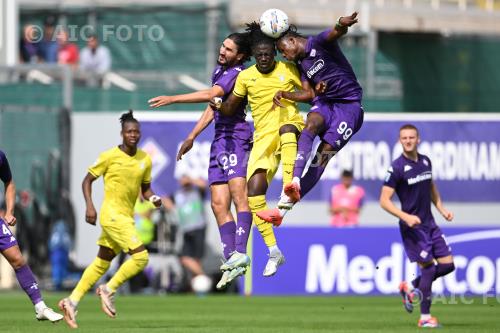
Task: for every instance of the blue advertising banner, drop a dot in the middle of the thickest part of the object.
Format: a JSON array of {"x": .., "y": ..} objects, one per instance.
[
  {"x": 465, "y": 154},
  {"x": 327, "y": 261}
]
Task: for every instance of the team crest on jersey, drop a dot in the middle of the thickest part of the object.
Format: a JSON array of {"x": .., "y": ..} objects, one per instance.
[
  {"x": 313, "y": 53},
  {"x": 426, "y": 163},
  {"x": 407, "y": 168},
  {"x": 282, "y": 78},
  {"x": 143, "y": 165}
]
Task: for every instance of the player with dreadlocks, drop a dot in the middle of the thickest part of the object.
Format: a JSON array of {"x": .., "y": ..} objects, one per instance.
[
  {"x": 229, "y": 151},
  {"x": 125, "y": 169},
  {"x": 275, "y": 136},
  {"x": 336, "y": 114}
]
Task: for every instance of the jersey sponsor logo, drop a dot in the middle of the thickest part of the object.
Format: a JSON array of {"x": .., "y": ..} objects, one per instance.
[
  {"x": 300, "y": 157},
  {"x": 407, "y": 168},
  {"x": 420, "y": 178},
  {"x": 238, "y": 69},
  {"x": 315, "y": 68}
]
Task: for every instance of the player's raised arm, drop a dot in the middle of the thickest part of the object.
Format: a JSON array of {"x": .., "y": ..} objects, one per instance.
[
  {"x": 341, "y": 26},
  {"x": 436, "y": 200},
  {"x": 387, "y": 204},
  {"x": 194, "y": 97},
  {"x": 90, "y": 211}
]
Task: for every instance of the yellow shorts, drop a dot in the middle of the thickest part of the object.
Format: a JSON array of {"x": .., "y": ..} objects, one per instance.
[
  {"x": 266, "y": 152},
  {"x": 119, "y": 234}
]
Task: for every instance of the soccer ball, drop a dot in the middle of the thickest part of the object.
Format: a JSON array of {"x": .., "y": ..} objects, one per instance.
[
  {"x": 273, "y": 22},
  {"x": 201, "y": 284}
]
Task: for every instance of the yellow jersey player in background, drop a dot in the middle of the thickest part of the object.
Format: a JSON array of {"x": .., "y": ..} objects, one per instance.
[
  {"x": 126, "y": 170},
  {"x": 276, "y": 131}
]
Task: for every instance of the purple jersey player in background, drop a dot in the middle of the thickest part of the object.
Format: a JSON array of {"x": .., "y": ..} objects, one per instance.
[
  {"x": 336, "y": 114},
  {"x": 229, "y": 151},
  {"x": 410, "y": 176},
  {"x": 10, "y": 249}
]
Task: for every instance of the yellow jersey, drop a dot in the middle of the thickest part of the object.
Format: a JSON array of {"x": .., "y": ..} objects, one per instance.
[
  {"x": 260, "y": 89},
  {"x": 123, "y": 176}
]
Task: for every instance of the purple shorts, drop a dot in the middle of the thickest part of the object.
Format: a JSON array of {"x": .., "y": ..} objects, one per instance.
[
  {"x": 424, "y": 244},
  {"x": 228, "y": 159},
  {"x": 342, "y": 121},
  {"x": 7, "y": 239}
]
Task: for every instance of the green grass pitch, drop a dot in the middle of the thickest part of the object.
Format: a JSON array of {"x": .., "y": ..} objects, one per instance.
[{"x": 220, "y": 313}]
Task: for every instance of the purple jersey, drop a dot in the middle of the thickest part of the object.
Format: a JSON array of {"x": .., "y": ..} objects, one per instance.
[
  {"x": 5, "y": 174},
  {"x": 412, "y": 182},
  {"x": 325, "y": 61},
  {"x": 228, "y": 126}
]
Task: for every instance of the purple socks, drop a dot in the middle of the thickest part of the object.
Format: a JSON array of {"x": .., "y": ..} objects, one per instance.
[
  {"x": 441, "y": 270},
  {"x": 304, "y": 147},
  {"x": 28, "y": 283},
  {"x": 425, "y": 286},
  {"x": 243, "y": 231},
  {"x": 227, "y": 237}
]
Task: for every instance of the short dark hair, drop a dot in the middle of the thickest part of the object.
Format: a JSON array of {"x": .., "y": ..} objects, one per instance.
[
  {"x": 409, "y": 126},
  {"x": 347, "y": 173},
  {"x": 242, "y": 42},
  {"x": 128, "y": 118}
]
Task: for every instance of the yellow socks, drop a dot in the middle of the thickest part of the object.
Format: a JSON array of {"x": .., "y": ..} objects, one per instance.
[
  {"x": 128, "y": 269},
  {"x": 90, "y": 276},
  {"x": 258, "y": 203},
  {"x": 288, "y": 143}
]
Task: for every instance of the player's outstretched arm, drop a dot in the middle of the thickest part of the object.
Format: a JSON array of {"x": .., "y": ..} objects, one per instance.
[
  {"x": 194, "y": 97},
  {"x": 342, "y": 25},
  {"x": 148, "y": 194},
  {"x": 205, "y": 119},
  {"x": 387, "y": 204},
  {"x": 304, "y": 95},
  {"x": 436, "y": 200},
  {"x": 229, "y": 107},
  {"x": 90, "y": 211}
]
